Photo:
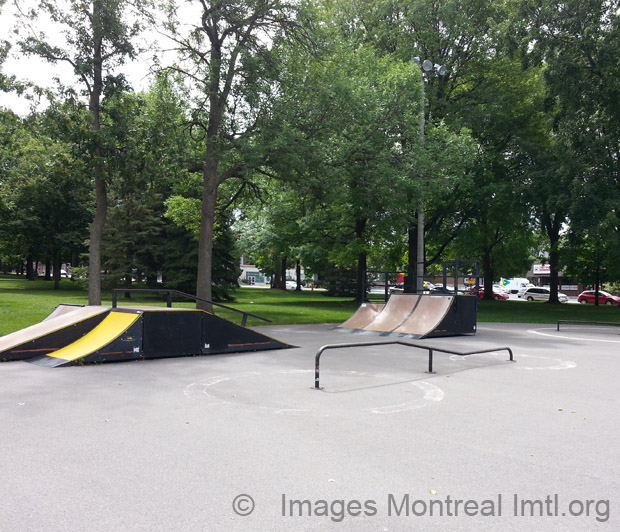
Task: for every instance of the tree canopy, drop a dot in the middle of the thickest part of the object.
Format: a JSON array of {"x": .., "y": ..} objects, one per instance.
[{"x": 305, "y": 133}]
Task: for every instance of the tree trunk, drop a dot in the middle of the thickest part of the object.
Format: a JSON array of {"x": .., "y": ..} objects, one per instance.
[
  {"x": 597, "y": 286},
  {"x": 30, "y": 273},
  {"x": 487, "y": 265},
  {"x": 96, "y": 237},
  {"x": 283, "y": 271},
  {"x": 361, "y": 279},
  {"x": 409, "y": 286},
  {"x": 101, "y": 195},
  {"x": 298, "y": 274},
  {"x": 48, "y": 269},
  {"x": 56, "y": 269},
  {"x": 553, "y": 224},
  {"x": 204, "y": 288},
  {"x": 360, "y": 228}
]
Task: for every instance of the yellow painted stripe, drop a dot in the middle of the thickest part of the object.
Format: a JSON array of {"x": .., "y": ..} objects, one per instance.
[{"x": 112, "y": 326}]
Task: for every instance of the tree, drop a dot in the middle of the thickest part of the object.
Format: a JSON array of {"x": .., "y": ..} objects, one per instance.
[
  {"x": 577, "y": 43},
  {"x": 227, "y": 58},
  {"x": 98, "y": 40},
  {"x": 462, "y": 37},
  {"x": 45, "y": 197},
  {"x": 149, "y": 158}
]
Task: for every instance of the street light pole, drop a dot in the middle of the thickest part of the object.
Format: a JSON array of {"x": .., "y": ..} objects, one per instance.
[{"x": 425, "y": 66}]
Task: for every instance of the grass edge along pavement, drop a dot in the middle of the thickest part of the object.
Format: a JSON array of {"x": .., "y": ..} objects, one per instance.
[{"x": 23, "y": 303}]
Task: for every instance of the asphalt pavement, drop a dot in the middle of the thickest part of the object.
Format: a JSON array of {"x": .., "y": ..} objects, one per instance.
[{"x": 245, "y": 443}]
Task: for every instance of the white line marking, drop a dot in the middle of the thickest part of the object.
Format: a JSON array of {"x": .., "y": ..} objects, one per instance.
[
  {"x": 537, "y": 331},
  {"x": 432, "y": 394}
]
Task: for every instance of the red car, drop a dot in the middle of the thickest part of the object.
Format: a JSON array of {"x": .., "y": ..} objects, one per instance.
[
  {"x": 604, "y": 298},
  {"x": 496, "y": 295}
]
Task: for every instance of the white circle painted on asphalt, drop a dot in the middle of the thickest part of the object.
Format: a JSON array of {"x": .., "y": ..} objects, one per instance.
[{"x": 290, "y": 393}]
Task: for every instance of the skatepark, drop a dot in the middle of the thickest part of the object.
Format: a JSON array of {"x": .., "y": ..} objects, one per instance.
[{"x": 243, "y": 441}]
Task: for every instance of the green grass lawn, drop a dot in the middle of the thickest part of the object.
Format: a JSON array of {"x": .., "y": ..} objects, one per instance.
[{"x": 23, "y": 303}]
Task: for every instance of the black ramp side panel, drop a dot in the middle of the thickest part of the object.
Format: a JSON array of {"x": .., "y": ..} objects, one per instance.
[
  {"x": 172, "y": 333},
  {"x": 222, "y": 336},
  {"x": 460, "y": 319}
]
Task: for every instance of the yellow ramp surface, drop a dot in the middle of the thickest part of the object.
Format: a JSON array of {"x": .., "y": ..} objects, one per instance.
[{"x": 112, "y": 326}]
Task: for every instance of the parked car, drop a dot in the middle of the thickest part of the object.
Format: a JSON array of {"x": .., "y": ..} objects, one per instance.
[
  {"x": 499, "y": 288},
  {"x": 524, "y": 289},
  {"x": 604, "y": 298},
  {"x": 497, "y": 294},
  {"x": 400, "y": 287},
  {"x": 541, "y": 294}
]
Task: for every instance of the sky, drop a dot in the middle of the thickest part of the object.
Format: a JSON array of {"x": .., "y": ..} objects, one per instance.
[{"x": 43, "y": 73}]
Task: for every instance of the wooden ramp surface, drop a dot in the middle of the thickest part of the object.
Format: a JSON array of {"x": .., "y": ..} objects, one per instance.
[
  {"x": 397, "y": 310},
  {"x": 364, "y": 315},
  {"x": 403, "y": 315},
  {"x": 428, "y": 314}
]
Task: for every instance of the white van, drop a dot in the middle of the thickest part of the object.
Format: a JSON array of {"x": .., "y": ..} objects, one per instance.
[{"x": 515, "y": 284}]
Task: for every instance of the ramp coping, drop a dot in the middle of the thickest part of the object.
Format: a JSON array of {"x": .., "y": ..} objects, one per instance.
[{"x": 430, "y": 350}]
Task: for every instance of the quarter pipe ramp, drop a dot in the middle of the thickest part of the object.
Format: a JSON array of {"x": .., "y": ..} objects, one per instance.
[{"x": 418, "y": 316}]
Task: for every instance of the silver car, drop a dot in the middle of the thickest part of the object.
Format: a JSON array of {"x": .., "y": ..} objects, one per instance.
[{"x": 542, "y": 294}]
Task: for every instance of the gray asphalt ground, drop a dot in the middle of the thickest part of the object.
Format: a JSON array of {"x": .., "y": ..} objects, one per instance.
[{"x": 182, "y": 444}]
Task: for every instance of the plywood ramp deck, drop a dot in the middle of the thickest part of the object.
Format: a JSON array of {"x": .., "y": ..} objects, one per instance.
[
  {"x": 364, "y": 315},
  {"x": 397, "y": 310},
  {"x": 428, "y": 314}
]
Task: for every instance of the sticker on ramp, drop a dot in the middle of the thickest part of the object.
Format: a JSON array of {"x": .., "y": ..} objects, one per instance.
[{"x": 291, "y": 393}]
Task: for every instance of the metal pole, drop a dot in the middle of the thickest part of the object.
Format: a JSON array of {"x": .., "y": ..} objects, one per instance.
[
  {"x": 316, "y": 369},
  {"x": 420, "y": 229},
  {"x": 385, "y": 284},
  {"x": 430, "y": 361}
]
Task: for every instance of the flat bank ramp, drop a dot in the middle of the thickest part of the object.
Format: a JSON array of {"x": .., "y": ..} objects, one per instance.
[
  {"x": 102, "y": 338},
  {"x": 58, "y": 330},
  {"x": 398, "y": 309},
  {"x": 363, "y": 316}
]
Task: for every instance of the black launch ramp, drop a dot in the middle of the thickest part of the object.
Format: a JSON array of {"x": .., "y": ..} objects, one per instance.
[
  {"x": 136, "y": 333},
  {"x": 173, "y": 332}
]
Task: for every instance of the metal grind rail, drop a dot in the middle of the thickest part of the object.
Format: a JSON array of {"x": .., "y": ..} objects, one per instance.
[
  {"x": 601, "y": 323},
  {"x": 431, "y": 351},
  {"x": 170, "y": 293}
]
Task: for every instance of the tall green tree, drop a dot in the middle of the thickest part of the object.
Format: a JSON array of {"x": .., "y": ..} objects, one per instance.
[
  {"x": 44, "y": 196},
  {"x": 227, "y": 58},
  {"x": 577, "y": 43},
  {"x": 98, "y": 39}
]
